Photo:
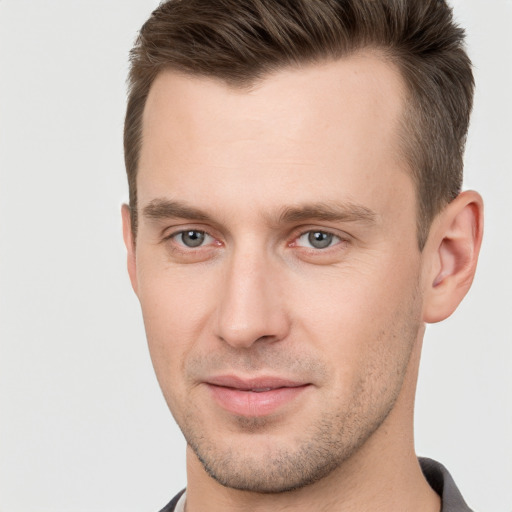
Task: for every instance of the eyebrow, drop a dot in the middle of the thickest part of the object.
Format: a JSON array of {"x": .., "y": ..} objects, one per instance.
[
  {"x": 161, "y": 209},
  {"x": 330, "y": 212}
]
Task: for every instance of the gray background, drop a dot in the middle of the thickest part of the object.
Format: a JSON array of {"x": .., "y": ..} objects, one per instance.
[{"x": 83, "y": 426}]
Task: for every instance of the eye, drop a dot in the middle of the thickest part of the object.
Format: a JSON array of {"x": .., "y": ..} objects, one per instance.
[
  {"x": 192, "y": 238},
  {"x": 318, "y": 239}
]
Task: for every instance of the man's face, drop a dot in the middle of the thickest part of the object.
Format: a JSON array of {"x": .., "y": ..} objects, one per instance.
[{"x": 277, "y": 265}]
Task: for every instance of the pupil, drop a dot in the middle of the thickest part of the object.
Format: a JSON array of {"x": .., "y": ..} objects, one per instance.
[
  {"x": 192, "y": 238},
  {"x": 319, "y": 239}
]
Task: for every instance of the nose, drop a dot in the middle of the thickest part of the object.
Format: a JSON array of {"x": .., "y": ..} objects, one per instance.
[{"x": 250, "y": 307}]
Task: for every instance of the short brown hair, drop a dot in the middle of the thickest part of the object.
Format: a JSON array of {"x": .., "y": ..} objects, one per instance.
[{"x": 239, "y": 41}]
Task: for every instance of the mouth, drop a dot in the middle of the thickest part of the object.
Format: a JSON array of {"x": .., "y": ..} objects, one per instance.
[{"x": 256, "y": 396}]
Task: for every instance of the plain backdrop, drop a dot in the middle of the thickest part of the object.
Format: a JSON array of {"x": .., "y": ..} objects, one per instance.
[{"x": 83, "y": 426}]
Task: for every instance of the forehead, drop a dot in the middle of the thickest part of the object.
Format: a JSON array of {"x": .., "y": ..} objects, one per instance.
[{"x": 336, "y": 121}]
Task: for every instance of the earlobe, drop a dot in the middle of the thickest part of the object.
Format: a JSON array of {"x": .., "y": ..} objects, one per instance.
[
  {"x": 129, "y": 242},
  {"x": 453, "y": 247}
]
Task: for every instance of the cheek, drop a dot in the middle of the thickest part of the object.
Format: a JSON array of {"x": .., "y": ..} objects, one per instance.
[
  {"x": 354, "y": 313},
  {"x": 175, "y": 307},
  {"x": 365, "y": 334}
]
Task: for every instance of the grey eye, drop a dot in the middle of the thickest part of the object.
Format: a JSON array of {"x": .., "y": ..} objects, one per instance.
[
  {"x": 317, "y": 239},
  {"x": 192, "y": 238},
  {"x": 320, "y": 239}
]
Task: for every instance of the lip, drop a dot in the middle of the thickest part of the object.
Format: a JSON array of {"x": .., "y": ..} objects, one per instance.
[{"x": 254, "y": 397}]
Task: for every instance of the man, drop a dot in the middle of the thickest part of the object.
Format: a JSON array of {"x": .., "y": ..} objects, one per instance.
[{"x": 295, "y": 220}]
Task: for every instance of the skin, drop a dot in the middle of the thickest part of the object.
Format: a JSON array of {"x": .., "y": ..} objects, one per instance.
[{"x": 310, "y": 150}]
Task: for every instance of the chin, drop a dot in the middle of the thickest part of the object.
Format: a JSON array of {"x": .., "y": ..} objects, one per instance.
[
  {"x": 281, "y": 473},
  {"x": 267, "y": 464}
]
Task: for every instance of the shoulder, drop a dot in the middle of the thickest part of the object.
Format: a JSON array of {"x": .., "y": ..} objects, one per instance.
[
  {"x": 442, "y": 482},
  {"x": 170, "y": 507}
]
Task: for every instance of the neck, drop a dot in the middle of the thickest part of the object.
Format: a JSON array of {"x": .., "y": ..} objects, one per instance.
[{"x": 384, "y": 474}]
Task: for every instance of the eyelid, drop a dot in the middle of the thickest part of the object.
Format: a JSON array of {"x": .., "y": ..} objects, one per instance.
[{"x": 171, "y": 231}]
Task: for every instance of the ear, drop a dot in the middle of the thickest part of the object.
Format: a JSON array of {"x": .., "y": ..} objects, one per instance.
[
  {"x": 452, "y": 249},
  {"x": 129, "y": 242}
]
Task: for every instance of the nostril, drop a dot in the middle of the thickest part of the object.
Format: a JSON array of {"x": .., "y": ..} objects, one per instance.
[{"x": 267, "y": 338}]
